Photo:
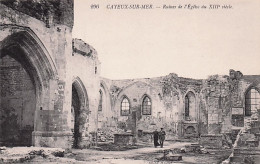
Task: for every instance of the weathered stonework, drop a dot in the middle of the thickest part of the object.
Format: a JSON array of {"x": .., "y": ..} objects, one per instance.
[
  {"x": 52, "y": 93},
  {"x": 214, "y": 100},
  {"x": 36, "y": 40}
]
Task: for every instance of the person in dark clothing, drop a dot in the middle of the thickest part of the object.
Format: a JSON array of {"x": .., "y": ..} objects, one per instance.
[
  {"x": 162, "y": 137},
  {"x": 155, "y": 138}
]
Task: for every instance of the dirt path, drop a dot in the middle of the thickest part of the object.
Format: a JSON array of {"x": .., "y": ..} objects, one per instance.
[
  {"x": 146, "y": 155},
  {"x": 94, "y": 155}
]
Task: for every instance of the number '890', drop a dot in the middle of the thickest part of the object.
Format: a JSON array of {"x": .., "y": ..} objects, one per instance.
[{"x": 94, "y": 6}]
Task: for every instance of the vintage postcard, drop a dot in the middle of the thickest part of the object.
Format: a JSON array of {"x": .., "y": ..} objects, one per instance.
[{"x": 130, "y": 81}]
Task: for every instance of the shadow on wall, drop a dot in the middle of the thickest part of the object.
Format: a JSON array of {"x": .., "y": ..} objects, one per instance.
[{"x": 11, "y": 132}]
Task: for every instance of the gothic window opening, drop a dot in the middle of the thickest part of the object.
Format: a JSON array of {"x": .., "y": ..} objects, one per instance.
[
  {"x": 147, "y": 106},
  {"x": 189, "y": 109},
  {"x": 252, "y": 102},
  {"x": 125, "y": 107},
  {"x": 100, "y": 100}
]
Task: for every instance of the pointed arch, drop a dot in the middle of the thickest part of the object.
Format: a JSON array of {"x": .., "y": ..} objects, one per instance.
[
  {"x": 38, "y": 60},
  {"x": 80, "y": 106},
  {"x": 83, "y": 95},
  {"x": 104, "y": 86},
  {"x": 107, "y": 95},
  {"x": 125, "y": 106},
  {"x": 137, "y": 82},
  {"x": 35, "y": 51},
  {"x": 146, "y": 105},
  {"x": 252, "y": 100},
  {"x": 189, "y": 106},
  {"x": 25, "y": 47}
]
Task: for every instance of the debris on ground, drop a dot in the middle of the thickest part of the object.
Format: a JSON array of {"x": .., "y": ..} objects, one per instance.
[
  {"x": 22, "y": 154},
  {"x": 115, "y": 147},
  {"x": 203, "y": 150},
  {"x": 172, "y": 152},
  {"x": 183, "y": 150},
  {"x": 170, "y": 155}
]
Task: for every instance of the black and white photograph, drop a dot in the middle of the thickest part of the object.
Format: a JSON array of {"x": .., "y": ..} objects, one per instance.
[{"x": 130, "y": 81}]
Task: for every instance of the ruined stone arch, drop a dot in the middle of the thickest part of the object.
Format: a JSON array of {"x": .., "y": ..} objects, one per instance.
[
  {"x": 134, "y": 83},
  {"x": 104, "y": 86},
  {"x": 35, "y": 50},
  {"x": 80, "y": 107},
  {"x": 190, "y": 90},
  {"x": 42, "y": 67},
  {"x": 107, "y": 94},
  {"x": 78, "y": 84},
  {"x": 23, "y": 45}
]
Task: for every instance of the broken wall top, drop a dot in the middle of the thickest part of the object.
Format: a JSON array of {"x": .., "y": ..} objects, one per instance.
[
  {"x": 80, "y": 47},
  {"x": 49, "y": 11},
  {"x": 254, "y": 79}
]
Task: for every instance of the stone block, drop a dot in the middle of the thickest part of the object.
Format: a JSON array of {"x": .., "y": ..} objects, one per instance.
[
  {"x": 124, "y": 139},
  {"x": 192, "y": 148},
  {"x": 52, "y": 139},
  {"x": 236, "y": 159},
  {"x": 246, "y": 151},
  {"x": 146, "y": 136},
  {"x": 211, "y": 140},
  {"x": 190, "y": 129},
  {"x": 173, "y": 157},
  {"x": 252, "y": 143}
]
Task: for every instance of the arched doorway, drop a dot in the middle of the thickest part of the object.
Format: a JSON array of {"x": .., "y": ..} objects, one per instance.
[
  {"x": 25, "y": 72},
  {"x": 18, "y": 98},
  {"x": 79, "y": 110},
  {"x": 75, "y": 112}
]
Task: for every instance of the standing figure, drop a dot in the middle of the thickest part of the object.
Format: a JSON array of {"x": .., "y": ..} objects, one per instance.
[
  {"x": 155, "y": 138},
  {"x": 162, "y": 137}
]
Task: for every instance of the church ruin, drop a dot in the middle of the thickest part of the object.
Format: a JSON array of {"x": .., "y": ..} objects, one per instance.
[{"x": 52, "y": 94}]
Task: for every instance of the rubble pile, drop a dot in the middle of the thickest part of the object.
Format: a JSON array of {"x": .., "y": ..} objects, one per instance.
[{"x": 22, "y": 154}]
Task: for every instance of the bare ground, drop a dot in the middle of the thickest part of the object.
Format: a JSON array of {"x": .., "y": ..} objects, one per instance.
[
  {"x": 139, "y": 154},
  {"x": 143, "y": 153}
]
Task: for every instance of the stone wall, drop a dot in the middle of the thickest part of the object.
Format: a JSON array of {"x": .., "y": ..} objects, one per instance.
[
  {"x": 17, "y": 103},
  {"x": 167, "y": 98},
  {"x": 48, "y": 11},
  {"x": 45, "y": 50},
  {"x": 211, "y": 105},
  {"x": 216, "y": 92},
  {"x": 40, "y": 62},
  {"x": 84, "y": 68},
  {"x": 222, "y": 103},
  {"x": 43, "y": 32}
]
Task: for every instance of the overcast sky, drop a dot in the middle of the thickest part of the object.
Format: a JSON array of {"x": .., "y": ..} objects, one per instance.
[{"x": 191, "y": 43}]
